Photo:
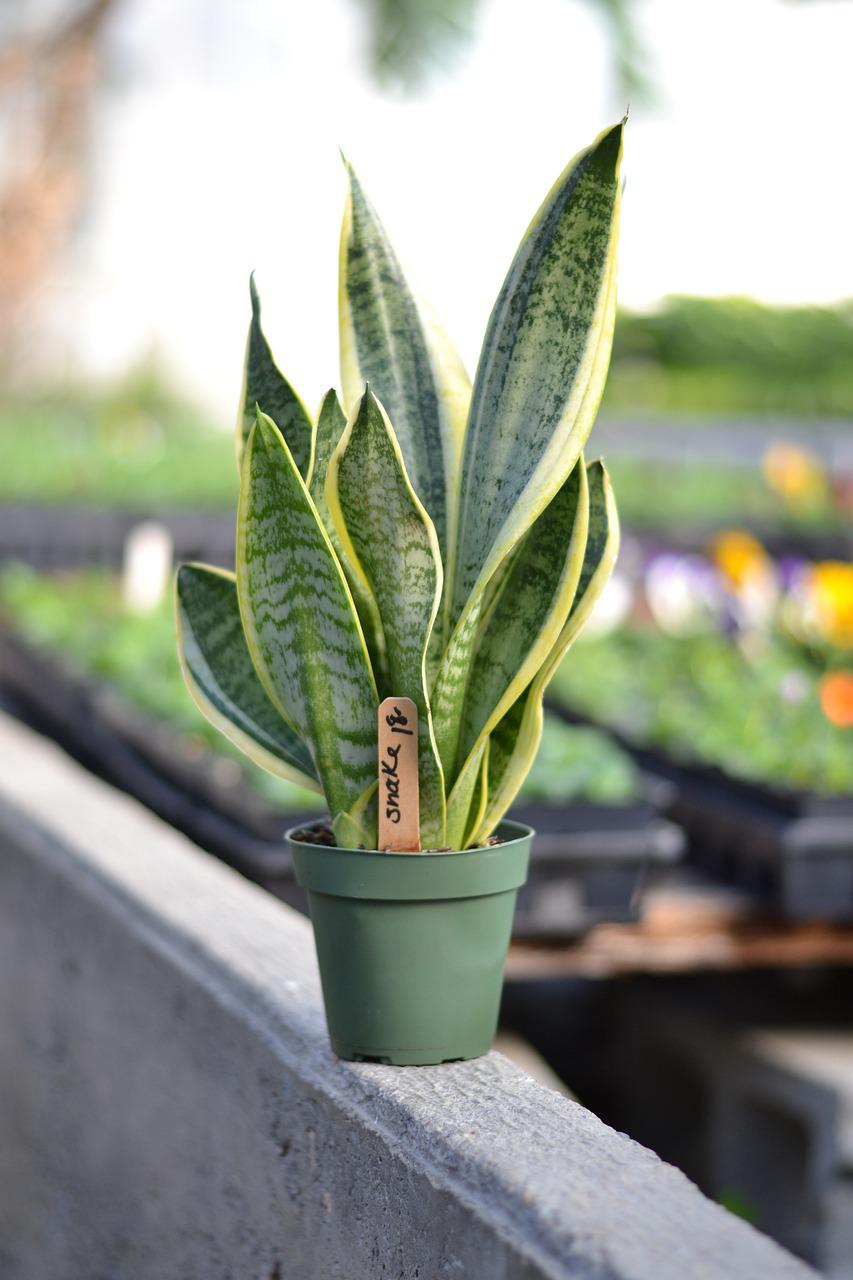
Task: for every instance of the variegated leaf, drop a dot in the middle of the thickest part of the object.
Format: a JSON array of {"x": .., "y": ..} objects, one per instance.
[
  {"x": 448, "y": 692},
  {"x": 480, "y": 799},
  {"x": 221, "y": 679},
  {"x": 301, "y": 625},
  {"x": 528, "y": 612},
  {"x": 515, "y": 740},
  {"x": 464, "y": 795},
  {"x": 390, "y": 340},
  {"x": 488, "y": 663},
  {"x": 386, "y": 532},
  {"x": 331, "y": 422},
  {"x": 265, "y": 386},
  {"x": 357, "y": 829},
  {"x": 553, "y": 321},
  {"x": 328, "y": 430},
  {"x": 546, "y": 346}
]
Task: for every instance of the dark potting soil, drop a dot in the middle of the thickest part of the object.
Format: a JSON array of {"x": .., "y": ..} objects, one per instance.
[
  {"x": 318, "y": 833},
  {"x": 321, "y": 833}
]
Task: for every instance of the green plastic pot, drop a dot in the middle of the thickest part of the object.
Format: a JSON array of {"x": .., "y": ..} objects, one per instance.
[{"x": 412, "y": 945}]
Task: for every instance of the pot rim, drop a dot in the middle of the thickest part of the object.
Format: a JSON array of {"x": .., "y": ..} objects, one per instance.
[
  {"x": 520, "y": 831},
  {"x": 441, "y": 875}
]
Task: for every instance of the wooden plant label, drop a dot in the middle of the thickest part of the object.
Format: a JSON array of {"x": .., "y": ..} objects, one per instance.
[{"x": 399, "y": 810}]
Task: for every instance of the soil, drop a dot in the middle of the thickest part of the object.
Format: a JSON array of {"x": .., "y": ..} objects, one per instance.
[
  {"x": 318, "y": 833},
  {"x": 321, "y": 833}
]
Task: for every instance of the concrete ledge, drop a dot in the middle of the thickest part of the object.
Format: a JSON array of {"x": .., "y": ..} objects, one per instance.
[{"x": 171, "y": 1109}]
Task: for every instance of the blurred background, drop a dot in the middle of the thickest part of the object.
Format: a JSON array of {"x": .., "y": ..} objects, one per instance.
[{"x": 153, "y": 154}]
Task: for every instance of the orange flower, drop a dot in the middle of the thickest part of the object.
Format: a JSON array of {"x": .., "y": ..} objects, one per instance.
[
  {"x": 740, "y": 557},
  {"x": 794, "y": 473},
  {"x": 832, "y": 593},
  {"x": 836, "y": 698}
]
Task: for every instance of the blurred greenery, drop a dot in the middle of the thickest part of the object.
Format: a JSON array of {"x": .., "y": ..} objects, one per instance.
[
  {"x": 576, "y": 763},
  {"x": 666, "y": 494},
  {"x": 81, "y": 617},
  {"x": 134, "y": 443},
  {"x": 710, "y": 356},
  {"x": 411, "y": 38},
  {"x": 139, "y": 443},
  {"x": 703, "y": 698}
]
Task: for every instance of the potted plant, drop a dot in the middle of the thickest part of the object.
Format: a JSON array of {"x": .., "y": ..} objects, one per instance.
[{"x": 417, "y": 562}]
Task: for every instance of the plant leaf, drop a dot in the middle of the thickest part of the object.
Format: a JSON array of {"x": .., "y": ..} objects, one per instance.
[
  {"x": 515, "y": 741},
  {"x": 480, "y": 798},
  {"x": 331, "y": 422},
  {"x": 265, "y": 386},
  {"x": 221, "y": 679},
  {"x": 498, "y": 646},
  {"x": 547, "y": 344},
  {"x": 391, "y": 341},
  {"x": 386, "y": 532},
  {"x": 357, "y": 829},
  {"x": 449, "y": 688},
  {"x": 300, "y": 622},
  {"x": 462, "y": 799},
  {"x": 328, "y": 430},
  {"x": 527, "y": 614},
  {"x": 448, "y": 693}
]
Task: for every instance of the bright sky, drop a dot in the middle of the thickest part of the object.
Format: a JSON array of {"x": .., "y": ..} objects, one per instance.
[{"x": 219, "y": 154}]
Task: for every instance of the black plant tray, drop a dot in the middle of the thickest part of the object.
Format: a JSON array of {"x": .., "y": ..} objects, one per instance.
[
  {"x": 194, "y": 790},
  {"x": 780, "y": 539},
  {"x": 72, "y": 537},
  {"x": 589, "y": 862},
  {"x": 793, "y": 849}
]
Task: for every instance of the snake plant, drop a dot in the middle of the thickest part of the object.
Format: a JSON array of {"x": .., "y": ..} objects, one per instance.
[{"x": 425, "y": 538}]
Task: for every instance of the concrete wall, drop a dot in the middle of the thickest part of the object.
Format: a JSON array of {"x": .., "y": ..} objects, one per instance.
[{"x": 170, "y": 1109}]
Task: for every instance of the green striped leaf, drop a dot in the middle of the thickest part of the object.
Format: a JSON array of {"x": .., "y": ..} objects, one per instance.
[
  {"x": 221, "y": 679},
  {"x": 464, "y": 798},
  {"x": 390, "y": 341},
  {"x": 448, "y": 693},
  {"x": 528, "y": 612},
  {"x": 545, "y": 355},
  {"x": 547, "y": 346},
  {"x": 357, "y": 829},
  {"x": 385, "y": 531},
  {"x": 265, "y": 386},
  {"x": 497, "y": 647},
  {"x": 331, "y": 422},
  {"x": 512, "y": 751},
  {"x": 479, "y": 800},
  {"x": 301, "y": 625},
  {"x": 515, "y": 740}
]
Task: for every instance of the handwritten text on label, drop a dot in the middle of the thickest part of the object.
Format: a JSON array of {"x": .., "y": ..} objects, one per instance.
[{"x": 399, "y": 817}]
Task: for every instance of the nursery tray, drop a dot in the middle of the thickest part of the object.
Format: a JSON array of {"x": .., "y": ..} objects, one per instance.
[
  {"x": 73, "y": 537},
  {"x": 590, "y": 862},
  {"x": 791, "y": 848},
  {"x": 831, "y": 543},
  {"x": 194, "y": 790}
]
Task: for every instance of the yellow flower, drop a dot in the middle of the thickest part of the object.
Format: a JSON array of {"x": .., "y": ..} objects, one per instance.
[
  {"x": 740, "y": 557},
  {"x": 836, "y": 698},
  {"x": 794, "y": 473},
  {"x": 832, "y": 594}
]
